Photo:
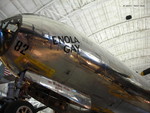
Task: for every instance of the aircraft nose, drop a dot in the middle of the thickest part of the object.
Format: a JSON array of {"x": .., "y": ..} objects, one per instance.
[
  {"x": 6, "y": 36},
  {"x": 8, "y": 32}
]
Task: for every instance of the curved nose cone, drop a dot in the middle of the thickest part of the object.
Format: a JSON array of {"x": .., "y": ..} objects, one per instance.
[
  {"x": 5, "y": 36},
  {"x": 8, "y": 31}
]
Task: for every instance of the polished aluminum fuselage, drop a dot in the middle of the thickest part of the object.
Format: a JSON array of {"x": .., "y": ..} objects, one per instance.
[{"x": 58, "y": 52}]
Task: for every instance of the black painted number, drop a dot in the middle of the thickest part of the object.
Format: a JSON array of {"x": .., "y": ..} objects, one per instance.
[
  {"x": 18, "y": 45},
  {"x": 21, "y": 47}
]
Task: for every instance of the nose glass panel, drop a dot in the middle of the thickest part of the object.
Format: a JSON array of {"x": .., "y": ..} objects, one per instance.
[{"x": 8, "y": 32}]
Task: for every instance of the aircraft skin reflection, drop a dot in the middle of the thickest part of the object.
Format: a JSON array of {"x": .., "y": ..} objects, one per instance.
[{"x": 57, "y": 57}]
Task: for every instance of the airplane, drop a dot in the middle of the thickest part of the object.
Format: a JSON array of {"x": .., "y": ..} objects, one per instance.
[{"x": 61, "y": 68}]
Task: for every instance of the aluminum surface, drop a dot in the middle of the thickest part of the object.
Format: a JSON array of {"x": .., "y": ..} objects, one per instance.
[{"x": 54, "y": 50}]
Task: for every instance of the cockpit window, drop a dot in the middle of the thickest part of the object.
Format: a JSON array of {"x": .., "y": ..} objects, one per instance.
[
  {"x": 4, "y": 24},
  {"x": 11, "y": 25}
]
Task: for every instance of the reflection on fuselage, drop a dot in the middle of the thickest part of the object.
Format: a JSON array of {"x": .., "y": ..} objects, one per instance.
[{"x": 53, "y": 50}]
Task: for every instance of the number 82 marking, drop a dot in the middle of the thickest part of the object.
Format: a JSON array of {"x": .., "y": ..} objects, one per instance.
[{"x": 21, "y": 47}]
